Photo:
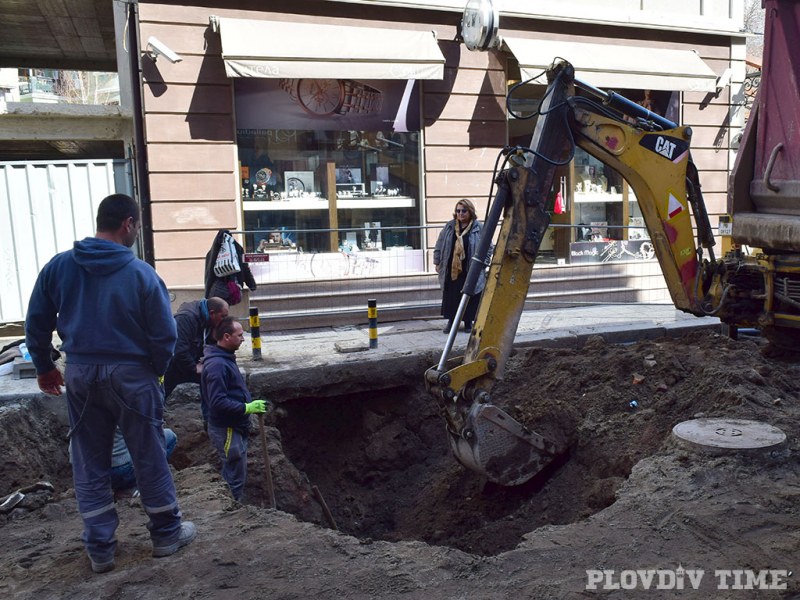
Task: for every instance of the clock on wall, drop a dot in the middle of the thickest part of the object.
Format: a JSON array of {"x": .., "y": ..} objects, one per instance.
[
  {"x": 479, "y": 25},
  {"x": 326, "y": 97}
]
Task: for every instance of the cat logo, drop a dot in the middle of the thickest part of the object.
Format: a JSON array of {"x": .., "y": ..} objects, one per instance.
[{"x": 665, "y": 147}]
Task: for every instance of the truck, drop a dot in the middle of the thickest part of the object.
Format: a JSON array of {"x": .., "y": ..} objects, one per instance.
[{"x": 757, "y": 289}]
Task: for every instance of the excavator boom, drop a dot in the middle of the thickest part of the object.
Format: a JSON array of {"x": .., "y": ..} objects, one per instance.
[{"x": 653, "y": 155}]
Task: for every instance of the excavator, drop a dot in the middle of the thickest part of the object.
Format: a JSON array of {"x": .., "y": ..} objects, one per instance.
[{"x": 756, "y": 290}]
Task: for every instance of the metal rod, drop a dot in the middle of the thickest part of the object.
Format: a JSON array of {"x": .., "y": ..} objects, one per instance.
[
  {"x": 325, "y": 510},
  {"x": 267, "y": 467},
  {"x": 478, "y": 262},
  {"x": 451, "y": 337},
  {"x": 622, "y": 104}
]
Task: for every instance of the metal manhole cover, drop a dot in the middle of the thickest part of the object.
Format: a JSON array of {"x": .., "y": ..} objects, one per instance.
[{"x": 729, "y": 434}]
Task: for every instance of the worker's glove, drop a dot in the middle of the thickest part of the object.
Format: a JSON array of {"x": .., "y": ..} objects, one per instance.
[
  {"x": 51, "y": 382},
  {"x": 161, "y": 380},
  {"x": 256, "y": 406}
]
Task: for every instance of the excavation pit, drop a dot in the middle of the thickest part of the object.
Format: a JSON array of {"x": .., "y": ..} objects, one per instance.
[
  {"x": 381, "y": 458},
  {"x": 670, "y": 506}
]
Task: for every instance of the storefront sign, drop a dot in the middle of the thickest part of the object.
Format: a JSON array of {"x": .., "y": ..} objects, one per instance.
[
  {"x": 610, "y": 251},
  {"x": 256, "y": 258}
]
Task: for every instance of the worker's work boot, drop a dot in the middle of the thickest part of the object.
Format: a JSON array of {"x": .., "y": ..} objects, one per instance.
[
  {"x": 102, "y": 566},
  {"x": 186, "y": 535}
]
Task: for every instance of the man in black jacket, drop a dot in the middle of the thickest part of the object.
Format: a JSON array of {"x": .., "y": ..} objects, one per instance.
[{"x": 196, "y": 322}]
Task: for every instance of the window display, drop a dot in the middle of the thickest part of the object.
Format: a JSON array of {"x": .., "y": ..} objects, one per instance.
[
  {"x": 345, "y": 184},
  {"x": 333, "y": 165}
]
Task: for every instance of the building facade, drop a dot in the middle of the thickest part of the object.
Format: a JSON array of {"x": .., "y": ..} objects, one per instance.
[{"x": 325, "y": 125}]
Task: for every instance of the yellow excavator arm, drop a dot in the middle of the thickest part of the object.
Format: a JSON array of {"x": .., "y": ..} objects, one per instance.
[
  {"x": 657, "y": 165},
  {"x": 653, "y": 156}
]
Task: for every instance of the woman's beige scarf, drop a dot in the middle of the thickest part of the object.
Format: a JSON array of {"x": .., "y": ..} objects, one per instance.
[{"x": 459, "y": 254}]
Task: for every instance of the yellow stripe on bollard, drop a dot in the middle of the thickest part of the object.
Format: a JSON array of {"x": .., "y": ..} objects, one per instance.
[
  {"x": 372, "y": 313},
  {"x": 255, "y": 332}
]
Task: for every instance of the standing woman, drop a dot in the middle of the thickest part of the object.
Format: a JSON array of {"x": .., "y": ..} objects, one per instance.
[{"x": 451, "y": 256}]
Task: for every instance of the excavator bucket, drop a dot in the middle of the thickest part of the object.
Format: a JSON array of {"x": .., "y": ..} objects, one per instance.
[
  {"x": 496, "y": 445},
  {"x": 484, "y": 438}
]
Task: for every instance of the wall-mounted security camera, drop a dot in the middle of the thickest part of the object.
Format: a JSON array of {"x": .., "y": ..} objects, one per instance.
[{"x": 156, "y": 48}]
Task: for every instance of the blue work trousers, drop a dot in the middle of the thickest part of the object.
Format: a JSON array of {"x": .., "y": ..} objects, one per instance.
[
  {"x": 123, "y": 477},
  {"x": 231, "y": 446},
  {"x": 100, "y": 398}
]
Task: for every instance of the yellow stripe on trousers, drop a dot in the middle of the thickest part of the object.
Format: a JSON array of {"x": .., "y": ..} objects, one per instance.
[{"x": 228, "y": 439}]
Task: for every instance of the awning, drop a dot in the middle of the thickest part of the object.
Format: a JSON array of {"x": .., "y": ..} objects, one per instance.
[
  {"x": 612, "y": 66},
  {"x": 304, "y": 50}
]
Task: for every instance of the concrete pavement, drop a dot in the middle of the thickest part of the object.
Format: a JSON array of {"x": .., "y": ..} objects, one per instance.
[
  {"x": 289, "y": 358},
  {"x": 564, "y": 327}
]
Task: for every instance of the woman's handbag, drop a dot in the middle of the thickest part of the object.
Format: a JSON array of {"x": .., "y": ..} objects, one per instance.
[{"x": 234, "y": 292}]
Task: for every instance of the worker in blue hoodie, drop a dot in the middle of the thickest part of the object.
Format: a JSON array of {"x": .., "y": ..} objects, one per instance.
[
  {"x": 229, "y": 403},
  {"x": 112, "y": 313}
]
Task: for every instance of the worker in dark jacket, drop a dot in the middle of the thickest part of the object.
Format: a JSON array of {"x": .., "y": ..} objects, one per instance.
[
  {"x": 112, "y": 313},
  {"x": 195, "y": 321},
  {"x": 229, "y": 287},
  {"x": 229, "y": 403}
]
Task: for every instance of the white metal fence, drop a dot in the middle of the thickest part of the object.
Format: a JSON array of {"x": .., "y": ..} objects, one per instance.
[{"x": 44, "y": 208}]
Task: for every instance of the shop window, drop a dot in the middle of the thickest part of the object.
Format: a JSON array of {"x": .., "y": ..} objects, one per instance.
[
  {"x": 598, "y": 218},
  {"x": 332, "y": 164},
  {"x": 306, "y": 183},
  {"x": 344, "y": 179}
]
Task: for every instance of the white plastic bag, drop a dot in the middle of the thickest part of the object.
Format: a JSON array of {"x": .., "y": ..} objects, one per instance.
[{"x": 227, "y": 262}]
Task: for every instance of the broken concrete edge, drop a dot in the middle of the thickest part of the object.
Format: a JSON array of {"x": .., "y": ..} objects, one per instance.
[
  {"x": 679, "y": 329},
  {"x": 352, "y": 346},
  {"x": 633, "y": 333},
  {"x": 337, "y": 379},
  {"x": 8, "y": 399},
  {"x": 286, "y": 381}
]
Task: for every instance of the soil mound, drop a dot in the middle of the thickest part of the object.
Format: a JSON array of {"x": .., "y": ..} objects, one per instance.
[{"x": 624, "y": 496}]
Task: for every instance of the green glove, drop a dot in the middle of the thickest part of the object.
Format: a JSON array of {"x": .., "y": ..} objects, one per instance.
[{"x": 256, "y": 406}]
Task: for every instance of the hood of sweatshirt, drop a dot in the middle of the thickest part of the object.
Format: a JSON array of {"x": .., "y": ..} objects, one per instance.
[
  {"x": 101, "y": 257},
  {"x": 214, "y": 351}
]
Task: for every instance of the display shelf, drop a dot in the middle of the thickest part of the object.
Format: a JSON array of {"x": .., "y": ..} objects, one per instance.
[
  {"x": 587, "y": 197},
  {"x": 298, "y": 266},
  {"x": 377, "y": 202},
  {"x": 322, "y": 204}
]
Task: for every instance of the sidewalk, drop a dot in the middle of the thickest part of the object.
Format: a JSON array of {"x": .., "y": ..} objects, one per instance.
[
  {"x": 565, "y": 327},
  {"x": 285, "y": 352}
]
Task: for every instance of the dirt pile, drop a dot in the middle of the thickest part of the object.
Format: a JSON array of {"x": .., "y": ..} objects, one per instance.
[{"x": 625, "y": 495}]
